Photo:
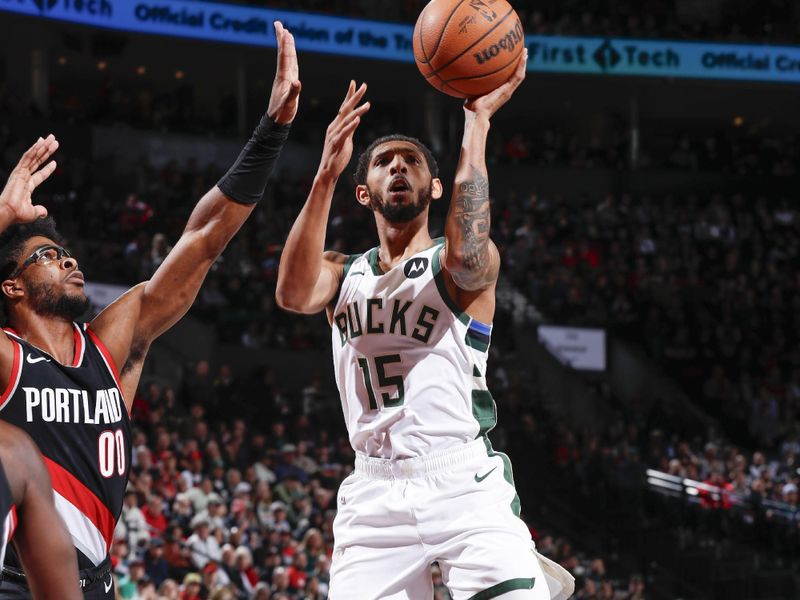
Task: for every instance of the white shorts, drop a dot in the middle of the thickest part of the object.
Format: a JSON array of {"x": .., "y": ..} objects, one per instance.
[{"x": 458, "y": 508}]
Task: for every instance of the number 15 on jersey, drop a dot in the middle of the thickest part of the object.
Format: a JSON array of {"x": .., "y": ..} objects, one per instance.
[{"x": 393, "y": 384}]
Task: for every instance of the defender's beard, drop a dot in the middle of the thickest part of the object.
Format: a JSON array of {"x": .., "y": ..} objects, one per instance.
[
  {"x": 66, "y": 307},
  {"x": 400, "y": 213}
]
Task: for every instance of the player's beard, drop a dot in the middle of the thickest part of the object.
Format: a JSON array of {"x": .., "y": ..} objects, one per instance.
[
  {"x": 65, "y": 306},
  {"x": 400, "y": 213}
]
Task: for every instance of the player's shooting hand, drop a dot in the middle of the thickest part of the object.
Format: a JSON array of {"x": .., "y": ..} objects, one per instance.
[
  {"x": 485, "y": 106},
  {"x": 15, "y": 199},
  {"x": 338, "y": 147},
  {"x": 286, "y": 87}
]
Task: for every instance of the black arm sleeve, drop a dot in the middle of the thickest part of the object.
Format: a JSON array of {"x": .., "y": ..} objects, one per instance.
[{"x": 246, "y": 179}]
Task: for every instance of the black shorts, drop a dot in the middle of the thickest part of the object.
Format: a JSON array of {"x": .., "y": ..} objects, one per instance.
[{"x": 96, "y": 584}]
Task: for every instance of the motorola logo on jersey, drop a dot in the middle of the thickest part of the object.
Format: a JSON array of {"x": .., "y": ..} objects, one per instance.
[
  {"x": 415, "y": 267},
  {"x": 65, "y": 405}
]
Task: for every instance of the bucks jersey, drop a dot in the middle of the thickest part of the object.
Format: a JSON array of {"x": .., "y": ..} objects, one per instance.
[
  {"x": 410, "y": 366},
  {"x": 76, "y": 415},
  {"x": 8, "y": 515}
]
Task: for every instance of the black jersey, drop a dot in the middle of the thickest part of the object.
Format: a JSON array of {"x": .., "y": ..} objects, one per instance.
[
  {"x": 76, "y": 415},
  {"x": 8, "y": 515}
]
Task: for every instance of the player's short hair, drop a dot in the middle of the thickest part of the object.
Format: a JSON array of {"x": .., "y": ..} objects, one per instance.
[
  {"x": 13, "y": 239},
  {"x": 363, "y": 160}
]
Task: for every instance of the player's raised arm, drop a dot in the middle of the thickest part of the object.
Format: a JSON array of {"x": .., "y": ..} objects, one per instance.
[
  {"x": 308, "y": 277},
  {"x": 471, "y": 257},
  {"x": 16, "y": 204},
  {"x": 130, "y": 324}
]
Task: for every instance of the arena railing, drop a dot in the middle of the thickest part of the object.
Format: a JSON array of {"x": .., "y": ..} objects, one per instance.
[{"x": 714, "y": 497}]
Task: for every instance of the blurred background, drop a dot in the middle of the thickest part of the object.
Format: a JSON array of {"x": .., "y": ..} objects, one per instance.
[{"x": 645, "y": 356}]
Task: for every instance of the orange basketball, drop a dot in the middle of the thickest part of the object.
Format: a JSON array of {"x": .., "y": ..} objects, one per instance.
[{"x": 468, "y": 48}]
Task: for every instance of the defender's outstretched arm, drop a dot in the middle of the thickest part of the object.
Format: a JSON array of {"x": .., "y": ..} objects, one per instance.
[{"x": 129, "y": 325}]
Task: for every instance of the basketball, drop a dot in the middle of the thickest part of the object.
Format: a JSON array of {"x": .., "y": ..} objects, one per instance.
[{"x": 468, "y": 48}]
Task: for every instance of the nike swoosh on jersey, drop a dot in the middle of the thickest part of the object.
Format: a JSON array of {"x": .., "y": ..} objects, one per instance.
[
  {"x": 108, "y": 585},
  {"x": 33, "y": 361},
  {"x": 479, "y": 479}
]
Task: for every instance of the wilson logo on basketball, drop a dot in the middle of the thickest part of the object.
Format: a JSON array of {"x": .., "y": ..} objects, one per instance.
[
  {"x": 486, "y": 12},
  {"x": 507, "y": 43}
]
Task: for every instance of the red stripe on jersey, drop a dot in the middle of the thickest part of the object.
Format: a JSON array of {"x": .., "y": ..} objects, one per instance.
[
  {"x": 66, "y": 484},
  {"x": 110, "y": 364},
  {"x": 13, "y": 380},
  {"x": 107, "y": 355},
  {"x": 77, "y": 357},
  {"x": 12, "y": 523}
]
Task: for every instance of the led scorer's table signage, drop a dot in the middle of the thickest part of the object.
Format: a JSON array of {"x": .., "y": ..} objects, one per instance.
[{"x": 387, "y": 41}]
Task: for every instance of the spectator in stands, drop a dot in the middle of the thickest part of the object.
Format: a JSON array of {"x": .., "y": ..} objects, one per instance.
[
  {"x": 154, "y": 516},
  {"x": 177, "y": 554},
  {"x": 132, "y": 525},
  {"x": 156, "y": 566},
  {"x": 192, "y": 587},
  {"x": 203, "y": 545},
  {"x": 245, "y": 577}
]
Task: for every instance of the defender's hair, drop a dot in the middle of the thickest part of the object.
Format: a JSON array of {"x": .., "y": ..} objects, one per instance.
[
  {"x": 363, "y": 160},
  {"x": 13, "y": 239}
]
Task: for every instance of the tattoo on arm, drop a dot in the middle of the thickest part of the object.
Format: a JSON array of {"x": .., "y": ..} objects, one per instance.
[{"x": 472, "y": 215}]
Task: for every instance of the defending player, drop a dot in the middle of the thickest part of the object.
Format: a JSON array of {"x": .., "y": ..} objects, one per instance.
[
  {"x": 69, "y": 385},
  {"x": 28, "y": 515},
  {"x": 410, "y": 332}
]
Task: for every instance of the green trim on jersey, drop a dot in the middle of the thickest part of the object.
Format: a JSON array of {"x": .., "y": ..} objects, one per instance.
[
  {"x": 484, "y": 410},
  {"x": 508, "y": 474},
  {"x": 438, "y": 276},
  {"x": 504, "y": 587},
  {"x": 473, "y": 341},
  {"x": 374, "y": 261},
  {"x": 475, "y": 371},
  {"x": 352, "y": 258},
  {"x": 349, "y": 263}
]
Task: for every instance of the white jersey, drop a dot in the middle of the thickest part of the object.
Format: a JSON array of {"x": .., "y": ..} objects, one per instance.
[{"x": 410, "y": 366}]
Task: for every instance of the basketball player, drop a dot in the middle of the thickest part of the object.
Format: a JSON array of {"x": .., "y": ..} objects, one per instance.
[
  {"x": 70, "y": 385},
  {"x": 27, "y": 513},
  {"x": 411, "y": 326}
]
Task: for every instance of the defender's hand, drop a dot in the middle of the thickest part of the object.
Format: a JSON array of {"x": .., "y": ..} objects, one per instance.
[
  {"x": 286, "y": 86},
  {"x": 485, "y": 106},
  {"x": 15, "y": 200},
  {"x": 338, "y": 147}
]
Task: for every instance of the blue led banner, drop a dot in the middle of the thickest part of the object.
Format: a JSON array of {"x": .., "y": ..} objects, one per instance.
[
  {"x": 229, "y": 23},
  {"x": 663, "y": 58},
  {"x": 387, "y": 41}
]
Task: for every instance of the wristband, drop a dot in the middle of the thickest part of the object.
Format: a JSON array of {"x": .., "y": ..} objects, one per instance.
[{"x": 246, "y": 180}]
